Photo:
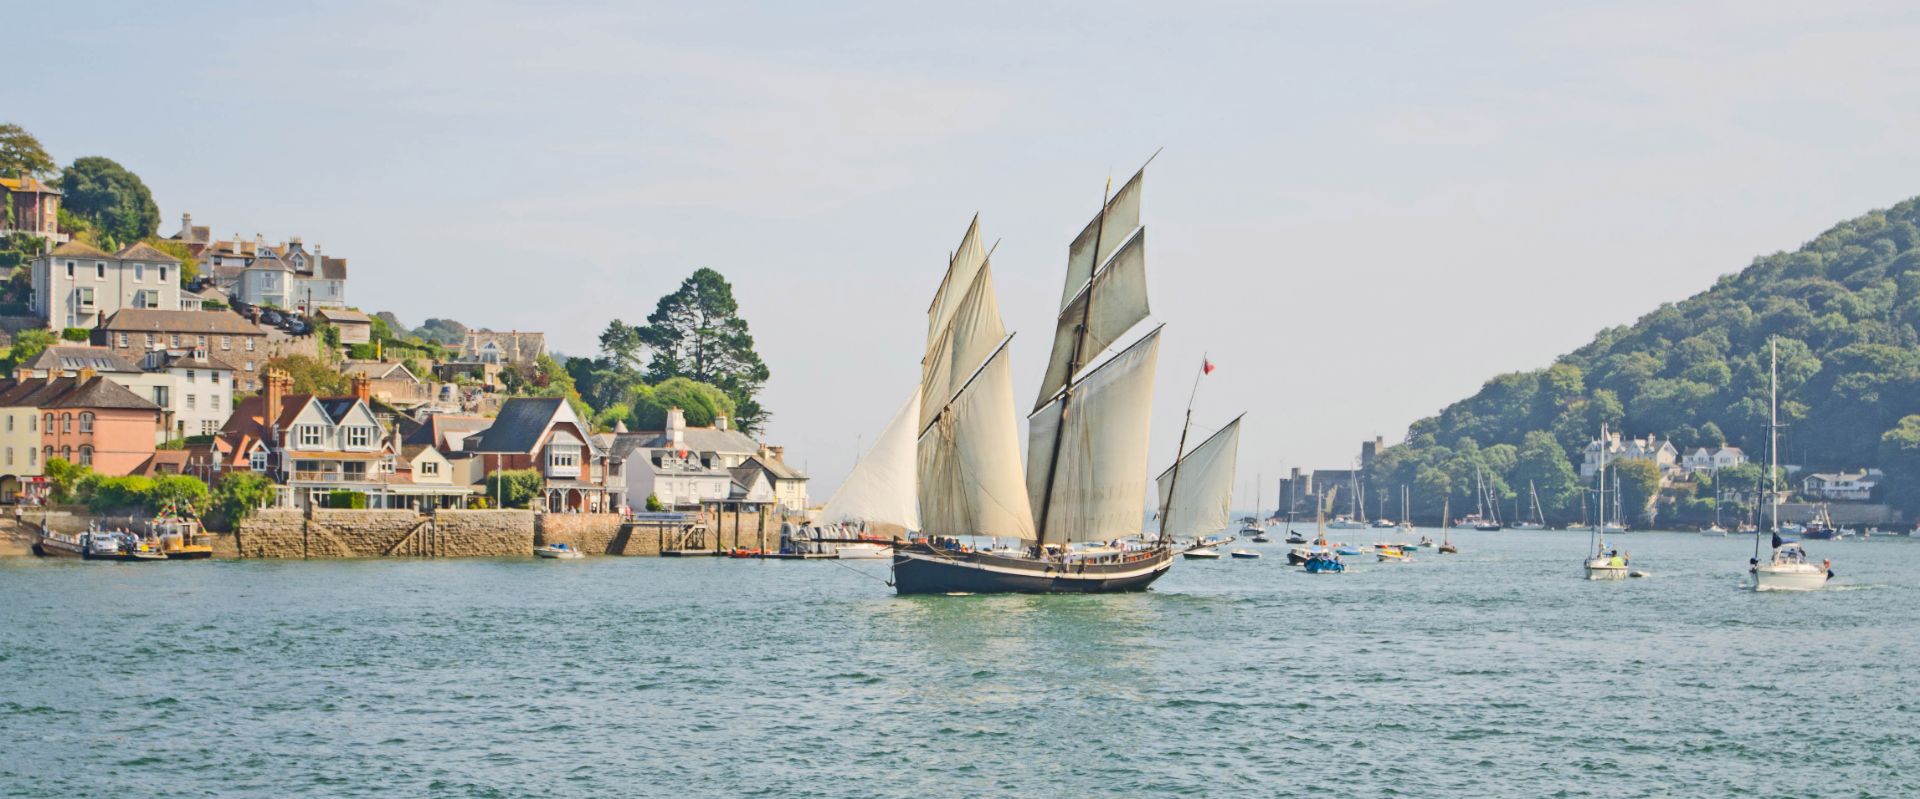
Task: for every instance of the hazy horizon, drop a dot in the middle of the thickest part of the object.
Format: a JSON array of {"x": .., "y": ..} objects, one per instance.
[{"x": 1362, "y": 212}]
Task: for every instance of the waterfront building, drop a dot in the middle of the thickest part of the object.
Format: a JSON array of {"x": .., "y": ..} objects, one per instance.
[
  {"x": 544, "y": 434},
  {"x": 192, "y": 389},
  {"x": 690, "y": 467},
  {"x": 77, "y": 284},
  {"x": 1712, "y": 459},
  {"x": 1846, "y": 486},
  {"x": 85, "y": 419},
  {"x": 1617, "y": 448},
  {"x": 31, "y": 207}
]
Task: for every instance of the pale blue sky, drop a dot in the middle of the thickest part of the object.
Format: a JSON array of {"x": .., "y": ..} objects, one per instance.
[{"x": 1436, "y": 191}]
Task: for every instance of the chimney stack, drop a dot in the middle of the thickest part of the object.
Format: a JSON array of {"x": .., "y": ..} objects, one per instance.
[
  {"x": 677, "y": 427},
  {"x": 719, "y": 422},
  {"x": 186, "y": 227},
  {"x": 779, "y": 453},
  {"x": 362, "y": 388},
  {"x": 85, "y": 376},
  {"x": 277, "y": 384}
]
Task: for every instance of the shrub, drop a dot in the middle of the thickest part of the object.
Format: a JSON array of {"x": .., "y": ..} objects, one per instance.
[
  {"x": 239, "y": 494},
  {"x": 65, "y": 476},
  {"x": 514, "y": 488},
  {"x": 654, "y": 504},
  {"x": 109, "y": 494},
  {"x": 346, "y": 499},
  {"x": 79, "y": 334},
  {"x": 187, "y": 493}
]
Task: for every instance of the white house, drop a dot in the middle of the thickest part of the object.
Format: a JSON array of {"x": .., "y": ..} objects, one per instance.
[
  {"x": 1712, "y": 459},
  {"x": 1652, "y": 448},
  {"x": 194, "y": 391},
  {"x": 1855, "y": 486},
  {"x": 77, "y": 285},
  {"x": 687, "y": 467}
]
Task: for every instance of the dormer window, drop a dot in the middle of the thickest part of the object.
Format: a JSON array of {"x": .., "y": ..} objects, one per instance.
[
  {"x": 359, "y": 436},
  {"x": 258, "y": 460},
  {"x": 310, "y": 435}
]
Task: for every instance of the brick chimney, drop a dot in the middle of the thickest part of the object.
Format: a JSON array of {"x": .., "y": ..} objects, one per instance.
[
  {"x": 84, "y": 377},
  {"x": 277, "y": 382},
  {"x": 362, "y": 388},
  {"x": 779, "y": 453}
]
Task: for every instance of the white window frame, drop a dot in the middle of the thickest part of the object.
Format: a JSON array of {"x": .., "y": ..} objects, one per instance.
[
  {"x": 359, "y": 436},
  {"x": 311, "y": 435}
]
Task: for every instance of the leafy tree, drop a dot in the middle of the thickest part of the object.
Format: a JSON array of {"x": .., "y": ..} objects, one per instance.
[
  {"x": 184, "y": 491},
  {"x": 115, "y": 200},
  {"x": 311, "y": 376},
  {"x": 105, "y": 494},
  {"x": 696, "y": 332},
  {"x": 1545, "y": 465},
  {"x": 442, "y": 331},
  {"x": 239, "y": 494},
  {"x": 700, "y": 402},
  {"x": 64, "y": 478},
  {"x": 1900, "y": 457},
  {"x": 27, "y": 345},
  {"x": 1639, "y": 486},
  {"x": 514, "y": 488},
  {"x": 21, "y": 154}
]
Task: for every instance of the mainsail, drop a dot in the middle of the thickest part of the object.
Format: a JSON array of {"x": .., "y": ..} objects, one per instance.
[
  {"x": 1097, "y": 491},
  {"x": 968, "y": 449},
  {"x": 882, "y": 487},
  {"x": 1087, "y": 436},
  {"x": 1197, "y": 501}
]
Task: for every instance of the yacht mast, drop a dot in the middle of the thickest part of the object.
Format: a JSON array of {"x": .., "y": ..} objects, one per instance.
[{"x": 1073, "y": 365}]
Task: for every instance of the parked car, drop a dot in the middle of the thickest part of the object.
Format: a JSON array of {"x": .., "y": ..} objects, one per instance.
[
  {"x": 270, "y": 317},
  {"x": 296, "y": 327}
]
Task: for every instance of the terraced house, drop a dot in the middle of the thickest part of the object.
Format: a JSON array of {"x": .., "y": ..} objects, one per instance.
[
  {"x": 84, "y": 419},
  {"x": 77, "y": 284}
]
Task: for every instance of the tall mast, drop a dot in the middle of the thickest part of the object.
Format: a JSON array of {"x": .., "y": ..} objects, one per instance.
[
  {"x": 1600, "y": 499},
  {"x": 1179, "y": 450},
  {"x": 1773, "y": 441},
  {"x": 1073, "y": 365}
]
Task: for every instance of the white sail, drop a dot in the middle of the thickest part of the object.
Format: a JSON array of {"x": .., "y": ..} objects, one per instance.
[
  {"x": 1119, "y": 301},
  {"x": 967, "y": 260},
  {"x": 1098, "y": 483},
  {"x": 1204, "y": 491},
  {"x": 969, "y": 460},
  {"x": 1121, "y": 217},
  {"x": 882, "y": 487},
  {"x": 974, "y": 329}
]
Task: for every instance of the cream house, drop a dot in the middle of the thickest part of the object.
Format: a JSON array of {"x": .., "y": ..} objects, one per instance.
[{"x": 77, "y": 285}]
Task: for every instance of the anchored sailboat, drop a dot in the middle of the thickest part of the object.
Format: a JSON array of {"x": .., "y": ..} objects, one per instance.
[
  {"x": 1601, "y": 564},
  {"x": 1789, "y": 568},
  {"x": 1087, "y": 436},
  {"x": 1538, "y": 520}
]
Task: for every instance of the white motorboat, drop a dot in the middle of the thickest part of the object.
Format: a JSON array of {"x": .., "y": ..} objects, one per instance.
[
  {"x": 558, "y": 552},
  {"x": 1790, "y": 570},
  {"x": 1201, "y": 553},
  {"x": 1245, "y": 553},
  {"x": 1716, "y": 531},
  {"x": 862, "y": 551},
  {"x": 1345, "y": 522}
]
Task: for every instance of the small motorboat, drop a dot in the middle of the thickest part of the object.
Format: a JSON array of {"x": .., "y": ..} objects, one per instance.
[
  {"x": 1348, "y": 550},
  {"x": 862, "y": 551},
  {"x": 1392, "y": 553},
  {"x": 1383, "y": 524},
  {"x": 1295, "y": 538},
  {"x": 1201, "y": 553},
  {"x": 1245, "y": 553},
  {"x": 1261, "y": 539},
  {"x": 1449, "y": 549},
  {"x": 744, "y": 553},
  {"x": 1714, "y": 531},
  {"x": 1345, "y": 522},
  {"x": 558, "y": 551},
  {"x": 1324, "y": 563},
  {"x": 1298, "y": 556}
]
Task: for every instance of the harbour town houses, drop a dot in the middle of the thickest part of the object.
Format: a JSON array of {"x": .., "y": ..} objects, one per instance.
[
  {"x": 544, "y": 434},
  {"x": 1844, "y": 486},
  {"x": 317, "y": 446},
  {"x": 695, "y": 467},
  {"x": 1652, "y": 448},
  {"x": 84, "y": 419},
  {"x": 1712, "y": 459},
  {"x": 77, "y": 285},
  {"x": 192, "y": 389},
  {"x": 222, "y": 335}
]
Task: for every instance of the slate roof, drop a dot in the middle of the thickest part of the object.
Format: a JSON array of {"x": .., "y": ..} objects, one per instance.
[
  {"x": 519, "y": 425},
  {"x": 333, "y": 268},
  {"x": 344, "y": 315},
  {"x": 140, "y": 319},
  {"x": 375, "y": 370},
  {"x": 778, "y": 468},
  {"x": 70, "y": 392},
  {"x": 142, "y": 251},
  {"x": 78, "y": 249},
  {"x": 61, "y": 357},
  {"x": 706, "y": 439},
  {"x": 434, "y": 431}
]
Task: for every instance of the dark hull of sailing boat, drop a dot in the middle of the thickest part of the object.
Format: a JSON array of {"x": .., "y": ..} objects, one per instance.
[{"x": 920, "y": 569}]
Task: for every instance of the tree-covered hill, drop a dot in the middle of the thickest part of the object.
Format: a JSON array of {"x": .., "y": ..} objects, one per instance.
[{"x": 1846, "y": 311}]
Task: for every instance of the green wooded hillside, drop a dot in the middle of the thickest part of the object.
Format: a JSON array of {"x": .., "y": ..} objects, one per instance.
[{"x": 1846, "y": 310}]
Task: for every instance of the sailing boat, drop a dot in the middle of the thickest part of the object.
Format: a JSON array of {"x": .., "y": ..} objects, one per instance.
[
  {"x": 1536, "y": 521},
  {"x": 1716, "y": 529},
  {"x": 1254, "y": 527},
  {"x": 1789, "y": 568},
  {"x": 1619, "y": 523},
  {"x": 1084, "y": 477},
  {"x": 1481, "y": 493},
  {"x": 1599, "y": 563},
  {"x": 881, "y": 490},
  {"x": 1357, "y": 520},
  {"x": 1406, "y": 521},
  {"x": 1198, "y": 504},
  {"x": 1446, "y": 528}
]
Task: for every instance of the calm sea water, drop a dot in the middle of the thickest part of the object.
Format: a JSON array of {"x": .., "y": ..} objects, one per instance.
[{"x": 1495, "y": 673}]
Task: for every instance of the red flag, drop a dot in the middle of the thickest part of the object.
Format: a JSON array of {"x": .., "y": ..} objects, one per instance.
[{"x": 1206, "y": 365}]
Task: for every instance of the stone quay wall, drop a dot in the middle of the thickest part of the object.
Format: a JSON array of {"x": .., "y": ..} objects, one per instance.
[
  {"x": 283, "y": 533},
  {"x": 592, "y": 533}
]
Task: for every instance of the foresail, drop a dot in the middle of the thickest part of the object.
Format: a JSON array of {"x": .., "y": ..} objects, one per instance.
[
  {"x": 1119, "y": 301},
  {"x": 969, "y": 460},
  {"x": 1204, "y": 491},
  {"x": 1121, "y": 217},
  {"x": 1099, "y": 483},
  {"x": 882, "y": 487},
  {"x": 966, "y": 262},
  {"x": 973, "y": 331}
]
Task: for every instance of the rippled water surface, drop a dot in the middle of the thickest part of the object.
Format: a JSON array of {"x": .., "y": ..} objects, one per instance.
[{"x": 1495, "y": 673}]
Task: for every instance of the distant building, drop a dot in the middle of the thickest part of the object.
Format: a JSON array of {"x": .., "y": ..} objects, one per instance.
[
  {"x": 31, "y": 207},
  {"x": 1652, "y": 448},
  {"x": 196, "y": 238},
  {"x": 1845, "y": 486},
  {"x": 518, "y": 349},
  {"x": 1712, "y": 459},
  {"x": 286, "y": 275},
  {"x": 354, "y": 326},
  {"x": 225, "y": 335},
  {"x": 78, "y": 285},
  {"x": 192, "y": 389},
  {"x": 692, "y": 467}
]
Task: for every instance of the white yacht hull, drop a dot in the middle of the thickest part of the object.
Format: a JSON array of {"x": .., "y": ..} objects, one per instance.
[
  {"x": 1604, "y": 569},
  {"x": 1789, "y": 577},
  {"x": 863, "y": 551}
]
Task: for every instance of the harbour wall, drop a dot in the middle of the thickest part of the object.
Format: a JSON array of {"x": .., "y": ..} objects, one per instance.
[
  {"x": 297, "y": 534},
  {"x": 609, "y": 534}
]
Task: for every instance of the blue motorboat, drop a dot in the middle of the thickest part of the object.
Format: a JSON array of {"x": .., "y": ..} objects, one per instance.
[{"x": 1322, "y": 563}]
